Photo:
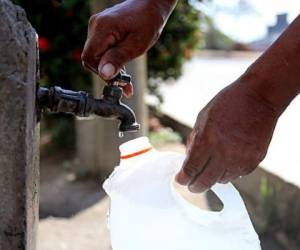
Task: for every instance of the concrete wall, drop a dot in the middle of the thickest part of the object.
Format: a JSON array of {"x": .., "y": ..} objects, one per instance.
[{"x": 19, "y": 173}]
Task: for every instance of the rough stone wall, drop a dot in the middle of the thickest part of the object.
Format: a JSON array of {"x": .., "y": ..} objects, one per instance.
[{"x": 19, "y": 173}]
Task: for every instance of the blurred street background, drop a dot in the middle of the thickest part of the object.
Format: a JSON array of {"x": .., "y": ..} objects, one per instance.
[{"x": 205, "y": 46}]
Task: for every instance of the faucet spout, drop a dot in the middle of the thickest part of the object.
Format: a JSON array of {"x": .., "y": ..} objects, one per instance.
[
  {"x": 120, "y": 111},
  {"x": 111, "y": 106}
]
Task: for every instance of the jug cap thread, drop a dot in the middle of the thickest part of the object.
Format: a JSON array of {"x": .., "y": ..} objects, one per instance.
[{"x": 135, "y": 147}]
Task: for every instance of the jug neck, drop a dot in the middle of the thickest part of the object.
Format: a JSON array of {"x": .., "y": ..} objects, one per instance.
[{"x": 134, "y": 148}]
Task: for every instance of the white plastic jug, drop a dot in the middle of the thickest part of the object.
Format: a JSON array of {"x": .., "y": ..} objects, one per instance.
[{"x": 147, "y": 213}]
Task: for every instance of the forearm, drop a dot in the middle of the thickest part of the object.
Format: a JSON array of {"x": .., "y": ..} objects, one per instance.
[{"x": 275, "y": 76}]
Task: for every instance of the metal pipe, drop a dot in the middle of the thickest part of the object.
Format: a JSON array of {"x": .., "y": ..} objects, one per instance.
[{"x": 83, "y": 104}]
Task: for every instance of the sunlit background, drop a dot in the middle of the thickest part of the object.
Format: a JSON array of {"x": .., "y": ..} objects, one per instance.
[{"x": 247, "y": 21}]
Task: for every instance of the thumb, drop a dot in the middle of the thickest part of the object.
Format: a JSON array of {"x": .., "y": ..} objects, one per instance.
[
  {"x": 114, "y": 59},
  {"x": 198, "y": 154}
]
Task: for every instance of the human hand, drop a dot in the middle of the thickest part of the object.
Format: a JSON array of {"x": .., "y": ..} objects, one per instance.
[
  {"x": 122, "y": 33},
  {"x": 230, "y": 138}
]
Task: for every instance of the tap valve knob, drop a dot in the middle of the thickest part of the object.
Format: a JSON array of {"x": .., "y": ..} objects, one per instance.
[{"x": 121, "y": 77}]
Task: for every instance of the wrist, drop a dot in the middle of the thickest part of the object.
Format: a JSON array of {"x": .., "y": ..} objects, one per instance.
[
  {"x": 276, "y": 74},
  {"x": 274, "y": 92}
]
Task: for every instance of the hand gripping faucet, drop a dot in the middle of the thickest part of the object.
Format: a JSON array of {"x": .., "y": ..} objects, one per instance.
[{"x": 82, "y": 104}]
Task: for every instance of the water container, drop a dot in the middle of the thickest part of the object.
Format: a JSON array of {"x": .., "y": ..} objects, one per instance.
[{"x": 147, "y": 213}]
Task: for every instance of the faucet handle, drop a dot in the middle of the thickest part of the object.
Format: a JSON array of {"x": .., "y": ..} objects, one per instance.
[{"x": 123, "y": 76}]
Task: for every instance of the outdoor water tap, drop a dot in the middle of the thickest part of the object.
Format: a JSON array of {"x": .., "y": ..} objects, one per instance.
[{"x": 82, "y": 104}]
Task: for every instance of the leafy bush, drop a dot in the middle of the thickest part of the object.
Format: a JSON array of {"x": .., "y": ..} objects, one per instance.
[
  {"x": 62, "y": 31},
  {"x": 177, "y": 43}
]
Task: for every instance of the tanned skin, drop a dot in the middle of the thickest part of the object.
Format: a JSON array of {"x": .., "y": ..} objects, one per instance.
[
  {"x": 232, "y": 133},
  {"x": 122, "y": 33}
]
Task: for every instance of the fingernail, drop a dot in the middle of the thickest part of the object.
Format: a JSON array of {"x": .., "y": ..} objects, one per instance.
[{"x": 108, "y": 71}]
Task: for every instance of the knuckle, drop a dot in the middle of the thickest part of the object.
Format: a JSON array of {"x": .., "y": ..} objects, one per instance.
[
  {"x": 190, "y": 170},
  {"x": 200, "y": 185},
  {"x": 191, "y": 138},
  {"x": 211, "y": 177},
  {"x": 84, "y": 56},
  {"x": 201, "y": 138},
  {"x": 206, "y": 182},
  {"x": 92, "y": 19},
  {"x": 101, "y": 22},
  {"x": 230, "y": 155},
  {"x": 103, "y": 19},
  {"x": 209, "y": 136}
]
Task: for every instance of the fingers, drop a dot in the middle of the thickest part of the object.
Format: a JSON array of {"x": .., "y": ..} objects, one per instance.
[
  {"x": 127, "y": 88},
  {"x": 189, "y": 141},
  {"x": 86, "y": 65},
  {"x": 212, "y": 172},
  {"x": 102, "y": 55},
  {"x": 94, "y": 48},
  {"x": 116, "y": 57},
  {"x": 197, "y": 157},
  {"x": 102, "y": 35}
]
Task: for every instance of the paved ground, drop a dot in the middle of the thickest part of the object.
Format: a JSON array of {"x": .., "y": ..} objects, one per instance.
[
  {"x": 72, "y": 211},
  {"x": 85, "y": 231}
]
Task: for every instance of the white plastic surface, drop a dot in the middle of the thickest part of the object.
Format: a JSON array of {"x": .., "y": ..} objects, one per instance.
[
  {"x": 147, "y": 213},
  {"x": 134, "y": 146}
]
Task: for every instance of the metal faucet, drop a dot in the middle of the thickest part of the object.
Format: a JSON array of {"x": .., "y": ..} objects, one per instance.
[{"x": 82, "y": 104}]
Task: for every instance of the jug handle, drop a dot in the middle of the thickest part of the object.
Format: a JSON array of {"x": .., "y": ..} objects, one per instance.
[{"x": 227, "y": 193}]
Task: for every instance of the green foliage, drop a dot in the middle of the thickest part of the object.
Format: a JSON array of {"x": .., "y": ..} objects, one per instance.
[
  {"x": 268, "y": 206},
  {"x": 62, "y": 31},
  {"x": 163, "y": 136},
  {"x": 177, "y": 43}
]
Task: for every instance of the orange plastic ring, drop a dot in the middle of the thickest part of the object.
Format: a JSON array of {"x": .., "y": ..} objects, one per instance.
[{"x": 136, "y": 153}]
